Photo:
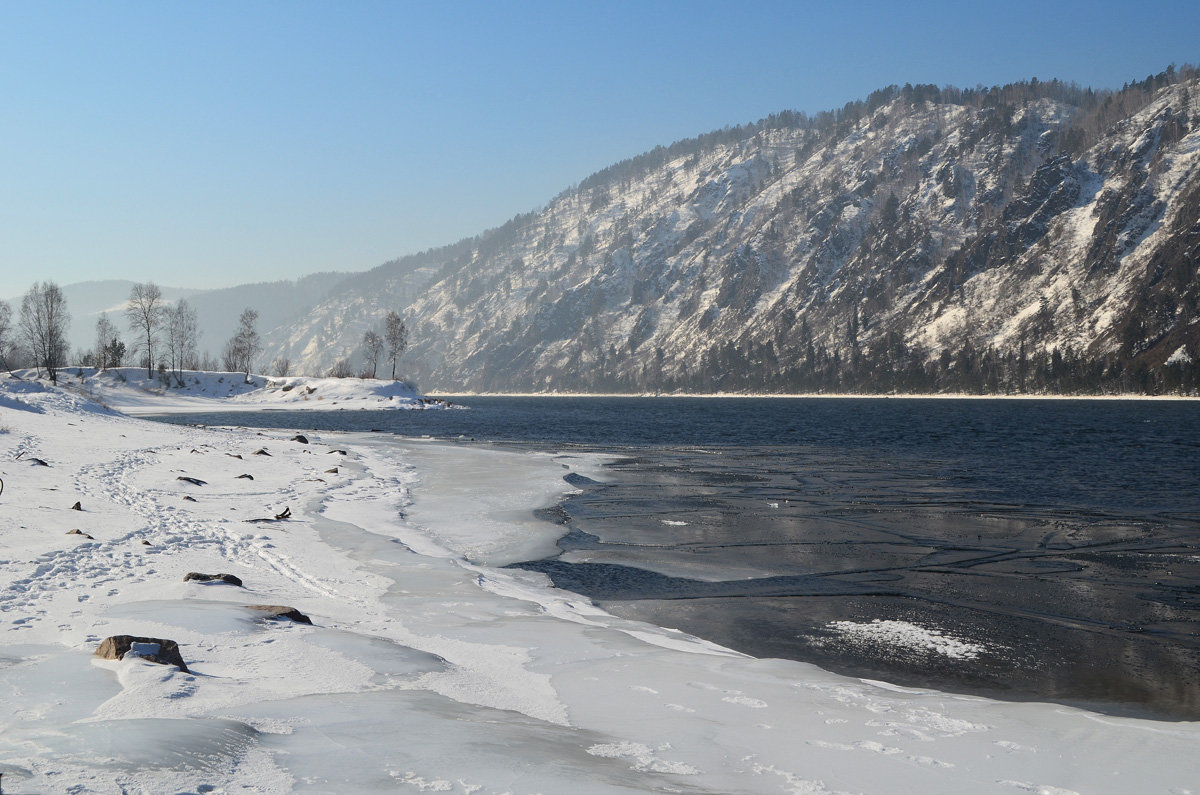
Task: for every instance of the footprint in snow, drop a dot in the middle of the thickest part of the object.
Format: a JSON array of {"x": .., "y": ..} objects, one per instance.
[{"x": 744, "y": 701}]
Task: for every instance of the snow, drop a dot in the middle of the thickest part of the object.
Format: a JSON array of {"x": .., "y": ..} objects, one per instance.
[
  {"x": 1180, "y": 356},
  {"x": 427, "y": 667},
  {"x": 129, "y": 390},
  {"x": 904, "y": 636}
]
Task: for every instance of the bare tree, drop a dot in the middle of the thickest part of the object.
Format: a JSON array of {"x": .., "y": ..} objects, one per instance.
[
  {"x": 106, "y": 335},
  {"x": 43, "y": 324},
  {"x": 182, "y": 334},
  {"x": 244, "y": 345},
  {"x": 282, "y": 366},
  {"x": 145, "y": 315},
  {"x": 231, "y": 355},
  {"x": 396, "y": 335},
  {"x": 341, "y": 369},
  {"x": 372, "y": 345},
  {"x": 5, "y": 332}
]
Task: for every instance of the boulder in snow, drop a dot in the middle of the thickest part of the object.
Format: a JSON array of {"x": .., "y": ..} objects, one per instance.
[
  {"x": 155, "y": 650},
  {"x": 281, "y": 611},
  {"x": 225, "y": 578}
]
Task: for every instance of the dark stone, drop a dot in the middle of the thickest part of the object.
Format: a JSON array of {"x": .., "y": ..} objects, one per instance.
[
  {"x": 244, "y": 476},
  {"x": 117, "y": 646},
  {"x": 301, "y": 438},
  {"x": 261, "y": 451},
  {"x": 281, "y": 611},
  {"x": 189, "y": 498},
  {"x": 225, "y": 578},
  {"x": 193, "y": 481},
  {"x": 77, "y": 507},
  {"x": 78, "y": 532},
  {"x": 333, "y": 471}
]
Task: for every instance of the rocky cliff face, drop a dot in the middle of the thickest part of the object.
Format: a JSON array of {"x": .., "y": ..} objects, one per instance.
[{"x": 1030, "y": 237}]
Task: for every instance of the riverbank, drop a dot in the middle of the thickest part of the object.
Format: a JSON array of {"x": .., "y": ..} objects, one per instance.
[
  {"x": 132, "y": 391},
  {"x": 426, "y": 667}
]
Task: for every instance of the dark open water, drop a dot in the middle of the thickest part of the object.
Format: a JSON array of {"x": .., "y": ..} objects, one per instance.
[{"x": 1060, "y": 538}]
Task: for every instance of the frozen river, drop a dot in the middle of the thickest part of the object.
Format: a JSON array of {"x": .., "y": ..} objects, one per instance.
[{"x": 1022, "y": 549}]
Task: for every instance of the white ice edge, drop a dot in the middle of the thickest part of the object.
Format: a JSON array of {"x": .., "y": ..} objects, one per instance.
[{"x": 427, "y": 668}]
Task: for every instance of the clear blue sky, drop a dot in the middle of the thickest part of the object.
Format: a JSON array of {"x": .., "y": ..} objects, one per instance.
[{"x": 214, "y": 143}]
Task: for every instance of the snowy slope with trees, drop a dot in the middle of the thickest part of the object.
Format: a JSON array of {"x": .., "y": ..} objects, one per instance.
[{"x": 1032, "y": 237}]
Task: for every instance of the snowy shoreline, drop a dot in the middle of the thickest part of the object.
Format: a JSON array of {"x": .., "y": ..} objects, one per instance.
[
  {"x": 132, "y": 391},
  {"x": 427, "y": 667}
]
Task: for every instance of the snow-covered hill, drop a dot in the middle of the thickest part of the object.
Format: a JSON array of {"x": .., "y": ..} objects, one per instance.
[{"x": 1033, "y": 237}]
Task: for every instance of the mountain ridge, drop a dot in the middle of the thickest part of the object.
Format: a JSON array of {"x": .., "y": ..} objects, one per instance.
[{"x": 1034, "y": 237}]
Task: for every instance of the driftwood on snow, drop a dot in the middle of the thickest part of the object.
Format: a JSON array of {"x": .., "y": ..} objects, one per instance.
[
  {"x": 193, "y": 481},
  {"x": 279, "y": 517}
]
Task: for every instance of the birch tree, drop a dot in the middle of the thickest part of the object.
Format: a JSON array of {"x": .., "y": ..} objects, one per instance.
[
  {"x": 43, "y": 325},
  {"x": 372, "y": 345},
  {"x": 244, "y": 345},
  {"x": 396, "y": 337},
  {"x": 145, "y": 312},
  {"x": 5, "y": 332},
  {"x": 106, "y": 335},
  {"x": 182, "y": 335}
]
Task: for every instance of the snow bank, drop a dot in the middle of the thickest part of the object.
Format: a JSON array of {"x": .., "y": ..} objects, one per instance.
[
  {"x": 129, "y": 390},
  {"x": 426, "y": 669}
]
